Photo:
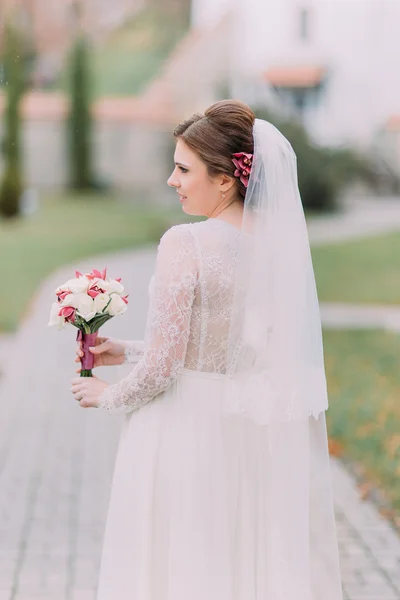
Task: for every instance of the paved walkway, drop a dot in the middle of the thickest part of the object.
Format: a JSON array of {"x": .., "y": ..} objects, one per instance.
[
  {"x": 56, "y": 463},
  {"x": 353, "y": 316},
  {"x": 362, "y": 218},
  {"x": 56, "y": 460}
]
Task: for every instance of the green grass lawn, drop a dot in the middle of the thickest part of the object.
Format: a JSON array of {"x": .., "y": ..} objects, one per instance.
[
  {"x": 364, "y": 415},
  {"x": 65, "y": 229},
  {"x": 362, "y": 271}
]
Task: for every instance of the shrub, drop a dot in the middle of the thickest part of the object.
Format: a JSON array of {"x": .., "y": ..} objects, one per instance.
[{"x": 322, "y": 172}]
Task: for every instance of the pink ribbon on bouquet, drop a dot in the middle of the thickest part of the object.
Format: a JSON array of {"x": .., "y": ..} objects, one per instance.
[{"x": 88, "y": 340}]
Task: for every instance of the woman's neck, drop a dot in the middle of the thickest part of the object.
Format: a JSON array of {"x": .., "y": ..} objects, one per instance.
[{"x": 232, "y": 214}]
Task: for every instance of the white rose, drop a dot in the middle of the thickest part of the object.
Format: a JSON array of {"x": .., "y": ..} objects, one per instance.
[
  {"x": 100, "y": 302},
  {"x": 77, "y": 286},
  {"x": 113, "y": 286},
  {"x": 117, "y": 306},
  {"x": 85, "y": 306},
  {"x": 55, "y": 320}
]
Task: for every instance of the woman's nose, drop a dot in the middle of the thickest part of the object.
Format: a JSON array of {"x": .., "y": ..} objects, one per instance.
[{"x": 172, "y": 180}]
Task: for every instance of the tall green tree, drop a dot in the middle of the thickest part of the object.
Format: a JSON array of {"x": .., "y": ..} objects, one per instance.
[
  {"x": 79, "y": 121},
  {"x": 11, "y": 184}
]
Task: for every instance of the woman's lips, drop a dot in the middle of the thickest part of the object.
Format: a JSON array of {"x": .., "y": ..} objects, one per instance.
[{"x": 182, "y": 198}]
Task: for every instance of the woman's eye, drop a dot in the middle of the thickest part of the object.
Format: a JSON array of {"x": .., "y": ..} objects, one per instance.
[{"x": 183, "y": 170}]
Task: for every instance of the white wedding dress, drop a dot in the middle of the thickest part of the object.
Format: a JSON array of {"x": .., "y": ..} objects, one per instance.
[{"x": 190, "y": 514}]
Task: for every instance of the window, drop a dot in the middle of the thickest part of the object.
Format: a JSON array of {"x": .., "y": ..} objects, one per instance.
[{"x": 305, "y": 24}]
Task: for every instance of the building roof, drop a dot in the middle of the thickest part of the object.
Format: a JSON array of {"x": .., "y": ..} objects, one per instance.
[
  {"x": 53, "y": 106},
  {"x": 393, "y": 123},
  {"x": 295, "y": 76},
  {"x": 40, "y": 106}
]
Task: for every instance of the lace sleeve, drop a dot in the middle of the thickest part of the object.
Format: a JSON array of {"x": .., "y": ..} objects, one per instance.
[
  {"x": 167, "y": 327},
  {"x": 134, "y": 350}
]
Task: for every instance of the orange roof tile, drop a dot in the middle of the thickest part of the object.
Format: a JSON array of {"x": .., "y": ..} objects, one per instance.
[
  {"x": 42, "y": 106},
  {"x": 393, "y": 123},
  {"x": 295, "y": 76},
  {"x": 132, "y": 109}
]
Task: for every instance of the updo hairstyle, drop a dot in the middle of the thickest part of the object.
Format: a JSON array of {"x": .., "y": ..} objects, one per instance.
[{"x": 225, "y": 128}]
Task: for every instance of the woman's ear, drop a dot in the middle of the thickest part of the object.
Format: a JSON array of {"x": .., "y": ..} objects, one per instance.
[{"x": 226, "y": 183}]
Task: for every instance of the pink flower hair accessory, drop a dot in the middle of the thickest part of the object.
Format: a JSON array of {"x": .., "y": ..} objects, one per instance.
[{"x": 243, "y": 163}]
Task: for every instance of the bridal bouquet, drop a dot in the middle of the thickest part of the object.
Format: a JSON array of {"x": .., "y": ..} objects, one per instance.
[{"x": 87, "y": 302}]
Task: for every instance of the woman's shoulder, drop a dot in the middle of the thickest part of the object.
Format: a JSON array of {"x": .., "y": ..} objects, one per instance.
[
  {"x": 182, "y": 231},
  {"x": 177, "y": 235},
  {"x": 204, "y": 232}
]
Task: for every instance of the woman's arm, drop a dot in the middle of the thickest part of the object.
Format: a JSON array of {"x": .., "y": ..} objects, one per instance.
[
  {"x": 134, "y": 350},
  {"x": 167, "y": 327}
]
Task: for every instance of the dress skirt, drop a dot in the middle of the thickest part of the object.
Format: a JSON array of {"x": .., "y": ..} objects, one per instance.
[{"x": 207, "y": 505}]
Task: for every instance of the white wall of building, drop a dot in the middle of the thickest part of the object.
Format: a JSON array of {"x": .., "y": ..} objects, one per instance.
[
  {"x": 206, "y": 13},
  {"x": 357, "y": 41}
]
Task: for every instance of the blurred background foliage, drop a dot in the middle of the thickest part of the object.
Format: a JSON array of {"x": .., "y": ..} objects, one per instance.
[
  {"x": 326, "y": 173},
  {"x": 133, "y": 54},
  {"x": 11, "y": 183},
  {"x": 364, "y": 271},
  {"x": 79, "y": 122},
  {"x": 362, "y": 369}
]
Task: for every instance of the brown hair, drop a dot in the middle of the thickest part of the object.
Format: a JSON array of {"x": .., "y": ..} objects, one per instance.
[{"x": 225, "y": 128}]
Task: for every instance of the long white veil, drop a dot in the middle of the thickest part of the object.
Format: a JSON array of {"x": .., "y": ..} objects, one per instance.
[
  {"x": 275, "y": 354},
  {"x": 276, "y": 378}
]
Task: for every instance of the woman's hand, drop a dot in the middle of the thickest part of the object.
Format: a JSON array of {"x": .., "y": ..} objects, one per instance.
[
  {"x": 87, "y": 390},
  {"x": 107, "y": 352}
]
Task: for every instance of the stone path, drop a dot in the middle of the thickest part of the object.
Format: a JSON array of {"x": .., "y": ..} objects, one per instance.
[
  {"x": 56, "y": 463},
  {"x": 369, "y": 547},
  {"x": 353, "y": 316},
  {"x": 56, "y": 459},
  {"x": 362, "y": 218}
]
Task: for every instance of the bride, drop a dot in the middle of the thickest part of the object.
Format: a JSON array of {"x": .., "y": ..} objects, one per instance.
[{"x": 221, "y": 488}]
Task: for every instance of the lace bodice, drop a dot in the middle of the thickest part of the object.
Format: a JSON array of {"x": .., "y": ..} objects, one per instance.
[{"x": 189, "y": 313}]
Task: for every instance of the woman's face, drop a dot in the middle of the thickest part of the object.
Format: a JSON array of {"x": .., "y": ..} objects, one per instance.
[{"x": 198, "y": 193}]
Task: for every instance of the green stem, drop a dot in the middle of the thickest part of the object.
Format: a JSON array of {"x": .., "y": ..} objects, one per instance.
[{"x": 86, "y": 373}]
